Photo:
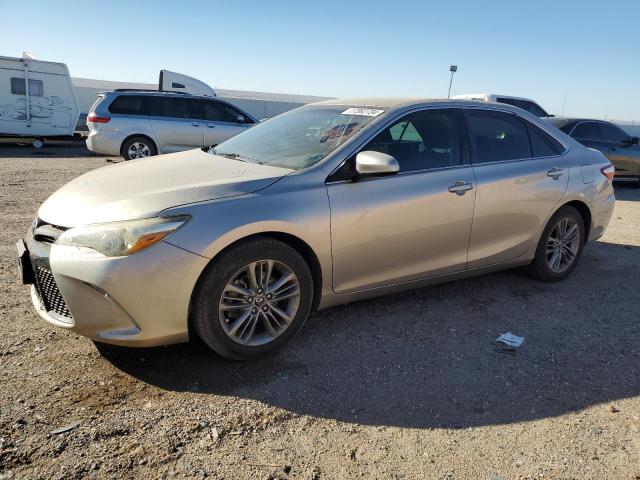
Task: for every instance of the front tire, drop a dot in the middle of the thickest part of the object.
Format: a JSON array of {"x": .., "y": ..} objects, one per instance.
[
  {"x": 253, "y": 299},
  {"x": 560, "y": 246},
  {"x": 138, "y": 147}
]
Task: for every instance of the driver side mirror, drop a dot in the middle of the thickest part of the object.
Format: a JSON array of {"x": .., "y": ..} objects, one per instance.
[
  {"x": 633, "y": 140},
  {"x": 372, "y": 163}
]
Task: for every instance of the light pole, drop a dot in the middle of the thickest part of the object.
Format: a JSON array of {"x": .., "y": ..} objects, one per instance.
[{"x": 453, "y": 69}]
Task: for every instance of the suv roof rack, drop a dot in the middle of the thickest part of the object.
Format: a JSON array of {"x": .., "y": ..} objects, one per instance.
[{"x": 147, "y": 90}]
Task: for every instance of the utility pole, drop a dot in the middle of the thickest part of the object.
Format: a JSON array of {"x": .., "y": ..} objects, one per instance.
[
  {"x": 564, "y": 102},
  {"x": 453, "y": 69}
]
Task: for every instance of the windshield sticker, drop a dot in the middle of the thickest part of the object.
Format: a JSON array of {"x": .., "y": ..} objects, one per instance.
[
  {"x": 338, "y": 131},
  {"x": 364, "y": 112}
]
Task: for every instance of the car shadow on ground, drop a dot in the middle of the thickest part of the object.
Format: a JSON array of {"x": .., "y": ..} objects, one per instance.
[
  {"x": 52, "y": 149},
  {"x": 428, "y": 358},
  {"x": 627, "y": 191}
]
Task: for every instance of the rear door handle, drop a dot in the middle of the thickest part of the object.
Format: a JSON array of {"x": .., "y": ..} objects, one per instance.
[
  {"x": 211, "y": 125},
  {"x": 195, "y": 124},
  {"x": 555, "y": 172},
  {"x": 460, "y": 187}
]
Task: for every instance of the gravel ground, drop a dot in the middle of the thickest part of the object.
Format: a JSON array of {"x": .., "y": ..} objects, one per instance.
[{"x": 402, "y": 387}]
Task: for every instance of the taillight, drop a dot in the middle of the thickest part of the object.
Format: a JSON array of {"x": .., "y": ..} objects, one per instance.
[
  {"x": 608, "y": 171},
  {"x": 97, "y": 119}
]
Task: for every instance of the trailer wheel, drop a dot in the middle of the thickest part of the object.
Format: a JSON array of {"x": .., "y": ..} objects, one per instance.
[{"x": 38, "y": 143}]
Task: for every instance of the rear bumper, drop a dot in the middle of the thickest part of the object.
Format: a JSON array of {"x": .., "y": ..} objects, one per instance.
[
  {"x": 105, "y": 142},
  {"x": 601, "y": 212},
  {"x": 141, "y": 300}
]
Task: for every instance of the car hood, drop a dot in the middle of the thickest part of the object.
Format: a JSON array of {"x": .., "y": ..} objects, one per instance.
[{"x": 143, "y": 188}]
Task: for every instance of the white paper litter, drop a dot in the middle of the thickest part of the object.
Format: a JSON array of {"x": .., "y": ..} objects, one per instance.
[{"x": 510, "y": 340}]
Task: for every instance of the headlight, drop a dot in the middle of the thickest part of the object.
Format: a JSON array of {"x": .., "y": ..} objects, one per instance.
[{"x": 122, "y": 238}]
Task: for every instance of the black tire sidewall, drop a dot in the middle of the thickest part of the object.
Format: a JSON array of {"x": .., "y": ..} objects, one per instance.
[
  {"x": 207, "y": 296},
  {"x": 146, "y": 141},
  {"x": 540, "y": 266}
]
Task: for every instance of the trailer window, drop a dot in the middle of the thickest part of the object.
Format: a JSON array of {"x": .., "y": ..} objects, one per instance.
[{"x": 35, "y": 87}]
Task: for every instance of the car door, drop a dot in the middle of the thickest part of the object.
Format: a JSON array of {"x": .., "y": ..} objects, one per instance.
[
  {"x": 520, "y": 179},
  {"x": 177, "y": 123},
  {"x": 413, "y": 224},
  {"x": 222, "y": 122},
  {"x": 622, "y": 152}
]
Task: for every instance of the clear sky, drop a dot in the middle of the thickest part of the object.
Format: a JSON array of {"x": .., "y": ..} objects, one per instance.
[{"x": 538, "y": 49}]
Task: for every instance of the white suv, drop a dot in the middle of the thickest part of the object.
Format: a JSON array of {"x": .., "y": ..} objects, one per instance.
[{"x": 137, "y": 124}]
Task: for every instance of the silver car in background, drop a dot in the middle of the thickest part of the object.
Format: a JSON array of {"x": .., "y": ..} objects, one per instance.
[
  {"x": 329, "y": 203},
  {"x": 138, "y": 123}
]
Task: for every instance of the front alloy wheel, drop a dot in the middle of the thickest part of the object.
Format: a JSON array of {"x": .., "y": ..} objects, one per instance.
[
  {"x": 259, "y": 302},
  {"x": 252, "y": 299}
]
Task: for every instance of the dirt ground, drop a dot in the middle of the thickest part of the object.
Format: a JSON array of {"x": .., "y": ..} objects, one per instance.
[{"x": 402, "y": 387}]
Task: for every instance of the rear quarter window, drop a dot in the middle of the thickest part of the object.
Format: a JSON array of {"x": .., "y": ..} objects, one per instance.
[
  {"x": 543, "y": 145},
  {"x": 128, "y": 105}
]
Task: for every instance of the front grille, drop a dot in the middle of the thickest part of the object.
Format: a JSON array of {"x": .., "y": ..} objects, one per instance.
[{"x": 48, "y": 290}]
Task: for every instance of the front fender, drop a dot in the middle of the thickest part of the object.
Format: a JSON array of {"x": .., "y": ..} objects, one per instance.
[{"x": 299, "y": 211}]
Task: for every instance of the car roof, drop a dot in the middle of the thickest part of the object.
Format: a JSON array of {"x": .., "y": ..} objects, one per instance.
[
  {"x": 160, "y": 93},
  {"x": 570, "y": 120},
  {"x": 396, "y": 102},
  {"x": 497, "y": 95}
]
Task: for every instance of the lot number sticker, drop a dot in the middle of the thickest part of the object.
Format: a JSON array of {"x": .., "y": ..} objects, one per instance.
[{"x": 364, "y": 112}]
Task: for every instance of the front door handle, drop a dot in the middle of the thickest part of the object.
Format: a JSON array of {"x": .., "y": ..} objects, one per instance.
[
  {"x": 555, "y": 172},
  {"x": 195, "y": 124},
  {"x": 460, "y": 187},
  {"x": 211, "y": 125}
]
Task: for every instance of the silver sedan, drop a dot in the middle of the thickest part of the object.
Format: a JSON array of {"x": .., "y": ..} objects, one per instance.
[{"x": 329, "y": 203}]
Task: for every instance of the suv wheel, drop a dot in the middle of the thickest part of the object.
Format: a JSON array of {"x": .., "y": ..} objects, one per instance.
[{"x": 138, "y": 147}]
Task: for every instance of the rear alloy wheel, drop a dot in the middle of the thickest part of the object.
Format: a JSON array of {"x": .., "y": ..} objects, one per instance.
[
  {"x": 138, "y": 147},
  {"x": 253, "y": 299},
  {"x": 560, "y": 246}
]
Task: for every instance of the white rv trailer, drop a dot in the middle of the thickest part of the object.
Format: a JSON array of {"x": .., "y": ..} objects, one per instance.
[{"x": 36, "y": 99}]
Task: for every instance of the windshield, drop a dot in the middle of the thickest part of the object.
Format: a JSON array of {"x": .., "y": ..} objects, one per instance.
[{"x": 299, "y": 138}]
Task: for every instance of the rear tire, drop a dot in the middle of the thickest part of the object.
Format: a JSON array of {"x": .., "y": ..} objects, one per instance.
[
  {"x": 243, "y": 318},
  {"x": 138, "y": 147},
  {"x": 560, "y": 246}
]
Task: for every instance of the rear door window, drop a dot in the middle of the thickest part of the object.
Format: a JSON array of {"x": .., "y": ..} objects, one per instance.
[
  {"x": 587, "y": 131},
  {"x": 498, "y": 136},
  {"x": 128, "y": 105}
]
